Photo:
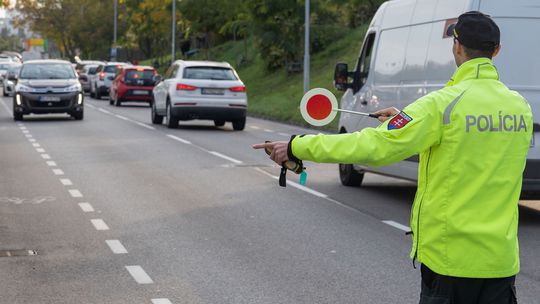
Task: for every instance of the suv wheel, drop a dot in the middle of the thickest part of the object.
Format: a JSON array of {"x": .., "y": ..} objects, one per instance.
[
  {"x": 172, "y": 122},
  {"x": 78, "y": 115},
  {"x": 239, "y": 124},
  {"x": 156, "y": 118}
]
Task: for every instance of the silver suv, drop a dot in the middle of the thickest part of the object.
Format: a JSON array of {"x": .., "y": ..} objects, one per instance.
[{"x": 101, "y": 81}]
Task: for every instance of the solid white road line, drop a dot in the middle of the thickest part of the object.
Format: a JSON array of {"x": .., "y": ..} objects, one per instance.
[
  {"x": 122, "y": 117},
  {"x": 45, "y": 156},
  {"x": 104, "y": 111},
  {"x": 295, "y": 185},
  {"x": 161, "y": 301},
  {"x": 36, "y": 145},
  {"x": 116, "y": 246},
  {"x": 86, "y": 207},
  {"x": 145, "y": 125},
  {"x": 40, "y": 150},
  {"x": 99, "y": 224},
  {"x": 397, "y": 225},
  {"x": 236, "y": 161},
  {"x": 75, "y": 193},
  {"x": 58, "y": 172},
  {"x": 138, "y": 273},
  {"x": 268, "y": 131},
  {"x": 51, "y": 163},
  {"x": 285, "y": 134},
  {"x": 187, "y": 142},
  {"x": 66, "y": 182}
]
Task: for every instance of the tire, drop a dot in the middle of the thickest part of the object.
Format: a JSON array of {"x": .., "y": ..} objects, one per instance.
[
  {"x": 156, "y": 118},
  {"x": 18, "y": 116},
  {"x": 78, "y": 115},
  {"x": 239, "y": 124},
  {"x": 92, "y": 94},
  {"x": 219, "y": 123},
  {"x": 349, "y": 176},
  {"x": 4, "y": 93},
  {"x": 172, "y": 122},
  {"x": 97, "y": 94}
]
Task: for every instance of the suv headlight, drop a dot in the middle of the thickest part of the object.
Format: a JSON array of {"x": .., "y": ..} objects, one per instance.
[
  {"x": 73, "y": 88},
  {"x": 24, "y": 88}
]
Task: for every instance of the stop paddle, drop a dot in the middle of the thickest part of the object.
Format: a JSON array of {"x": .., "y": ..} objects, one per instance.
[{"x": 319, "y": 107}]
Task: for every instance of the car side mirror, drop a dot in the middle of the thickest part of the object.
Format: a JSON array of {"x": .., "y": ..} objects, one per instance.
[
  {"x": 157, "y": 79},
  {"x": 341, "y": 77}
]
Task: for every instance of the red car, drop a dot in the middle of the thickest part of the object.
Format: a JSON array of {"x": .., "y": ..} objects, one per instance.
[{"x": 133, "y": 83}]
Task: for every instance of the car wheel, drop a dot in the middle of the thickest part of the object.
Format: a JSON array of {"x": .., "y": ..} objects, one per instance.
[
  {"x": 78, "y": 115},
  {"x": 172, "y": 122},
  {"x": 349, "y": 176},
  {"x": 156, "y": 118},
  {"x": 92, "y": 94},
  {"x": 219, "y": 123},
  {"x": 239, "y": 124},
  {"x": 97, "y": 94},
  {"x": 5, "y": 93},
  {"x": 17, "y": 116}
]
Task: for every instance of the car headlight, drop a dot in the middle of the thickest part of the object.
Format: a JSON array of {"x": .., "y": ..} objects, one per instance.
[
  {"x": 9, "y": 83},
  {"x": 24, "y": 88},
  {"x": 73, "y": 88}
]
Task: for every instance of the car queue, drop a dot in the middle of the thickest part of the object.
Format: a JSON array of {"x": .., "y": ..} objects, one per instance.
[{"x": 189, "y": 90}]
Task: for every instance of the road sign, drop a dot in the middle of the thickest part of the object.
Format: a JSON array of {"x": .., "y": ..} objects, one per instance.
[{"x": 318, "y": 107}]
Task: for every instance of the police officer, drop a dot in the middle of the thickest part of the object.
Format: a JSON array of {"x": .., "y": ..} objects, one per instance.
[{"x": 473, "y": 137}]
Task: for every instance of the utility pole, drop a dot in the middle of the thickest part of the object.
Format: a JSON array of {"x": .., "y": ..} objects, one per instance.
[
  {"x": 173, "y": 38},
  {"x": 114, "y": 49},
  {"x": 306, "y": 50}
]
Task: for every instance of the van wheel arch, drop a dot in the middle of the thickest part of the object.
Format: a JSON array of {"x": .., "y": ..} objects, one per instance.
[{"x": 348, "y": 175}]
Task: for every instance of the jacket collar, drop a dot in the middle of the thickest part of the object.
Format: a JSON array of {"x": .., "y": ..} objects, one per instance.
[{"x": 478, "y": 68}]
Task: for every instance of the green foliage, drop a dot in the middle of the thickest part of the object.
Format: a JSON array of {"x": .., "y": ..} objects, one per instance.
[{"x": 9, "y": 42}]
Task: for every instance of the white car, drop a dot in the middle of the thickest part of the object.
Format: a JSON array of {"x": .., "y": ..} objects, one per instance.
[
  {"x": 9, "y": 84},
  {"x": 200, "y": 90}
]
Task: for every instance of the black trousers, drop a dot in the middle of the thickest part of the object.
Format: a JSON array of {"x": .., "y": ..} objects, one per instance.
[{"x": 440, "y": 289}]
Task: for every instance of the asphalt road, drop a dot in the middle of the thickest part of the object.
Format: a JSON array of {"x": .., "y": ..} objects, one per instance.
[{"x": 122, "y": 211}]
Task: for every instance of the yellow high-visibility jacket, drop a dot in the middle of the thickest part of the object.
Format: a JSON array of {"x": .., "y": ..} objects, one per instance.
[{"x": 473, "y": 137}]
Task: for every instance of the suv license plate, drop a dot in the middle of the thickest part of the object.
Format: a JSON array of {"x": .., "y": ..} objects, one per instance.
[
  {"x": 49, "y": 98},
  {"x": 140, "y": 92},
  {"x": 211, "y": 91}
]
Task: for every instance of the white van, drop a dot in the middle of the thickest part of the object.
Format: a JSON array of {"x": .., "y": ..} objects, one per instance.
[{"x": 407, "y": 54}]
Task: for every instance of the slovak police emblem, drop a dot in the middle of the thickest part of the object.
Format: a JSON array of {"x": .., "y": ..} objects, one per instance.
[{"x": 399, "y": 121}]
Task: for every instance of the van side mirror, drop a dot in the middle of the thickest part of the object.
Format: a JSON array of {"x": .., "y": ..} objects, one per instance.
[{"x": 341, "y": 77}]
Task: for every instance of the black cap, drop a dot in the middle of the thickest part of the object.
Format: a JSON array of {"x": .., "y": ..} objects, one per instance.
[{"x": 476, "y": 31}]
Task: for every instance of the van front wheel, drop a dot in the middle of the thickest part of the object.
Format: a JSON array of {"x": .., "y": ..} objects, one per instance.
[{"x": 349, "y": 176}]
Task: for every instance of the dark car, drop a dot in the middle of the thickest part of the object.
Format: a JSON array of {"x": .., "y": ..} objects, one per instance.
[
  {"x": 48, "y": 86},
  {"x": 133, "y": 83}
]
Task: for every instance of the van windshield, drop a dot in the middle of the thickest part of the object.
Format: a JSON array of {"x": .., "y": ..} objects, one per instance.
[{"x": 211, "y": 73}]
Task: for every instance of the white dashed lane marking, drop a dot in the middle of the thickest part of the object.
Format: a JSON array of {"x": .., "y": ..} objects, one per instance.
[
  {"x": 138, "y": 273},
  {"x": 75, "y": 193},
  {"x": 397, "y": 225},
  {"x": 187, "y": 142},
  {"x": 285, "y": 134},
  {"x": 66, "y": 182},
  {"x": 58, "y": 172},
  {"x": 86, "y": 207},
  {"x": 161, "y": 301},
  {"x": 51, "y": 163},
  {"x": 40, "y": 150},
  {"x": 99, "y": 224},
  {"x": 32, "y": 140},
  {"x": 36, "y": 145},
  {"x": 25, "y": 131},
  {"x": 254, "y": 127},
  {"x": 268, "y": 131},
  {"x": 28, "y": 135},
  {"x": 45, "y": 156},
  {"x": 236, "y": 161},
  {"x": 145, "y": 125},
  {"x": 116, "y": 246}
]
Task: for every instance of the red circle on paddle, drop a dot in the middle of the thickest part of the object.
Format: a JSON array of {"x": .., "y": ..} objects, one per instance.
[{"x": 319, "y": 107}]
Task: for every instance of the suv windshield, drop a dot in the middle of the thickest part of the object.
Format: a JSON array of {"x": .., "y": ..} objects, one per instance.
[
  {"x": 110, "y": 69},
  {"x": 47, "y": 71},
  {"x": 213, "y": 73}
]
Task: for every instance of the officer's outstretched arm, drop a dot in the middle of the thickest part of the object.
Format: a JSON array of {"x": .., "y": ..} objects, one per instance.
[{"x": 415, "y": 129}]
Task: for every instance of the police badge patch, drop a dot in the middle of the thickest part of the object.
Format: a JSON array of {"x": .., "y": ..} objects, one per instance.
[{"x": 399, "y": 121}]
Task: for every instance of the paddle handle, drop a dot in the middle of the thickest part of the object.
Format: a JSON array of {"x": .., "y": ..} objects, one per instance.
[{"x": 357, "y": 113}]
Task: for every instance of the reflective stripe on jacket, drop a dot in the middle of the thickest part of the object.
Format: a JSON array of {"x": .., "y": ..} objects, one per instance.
[{"x": 473, "y": 137}]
